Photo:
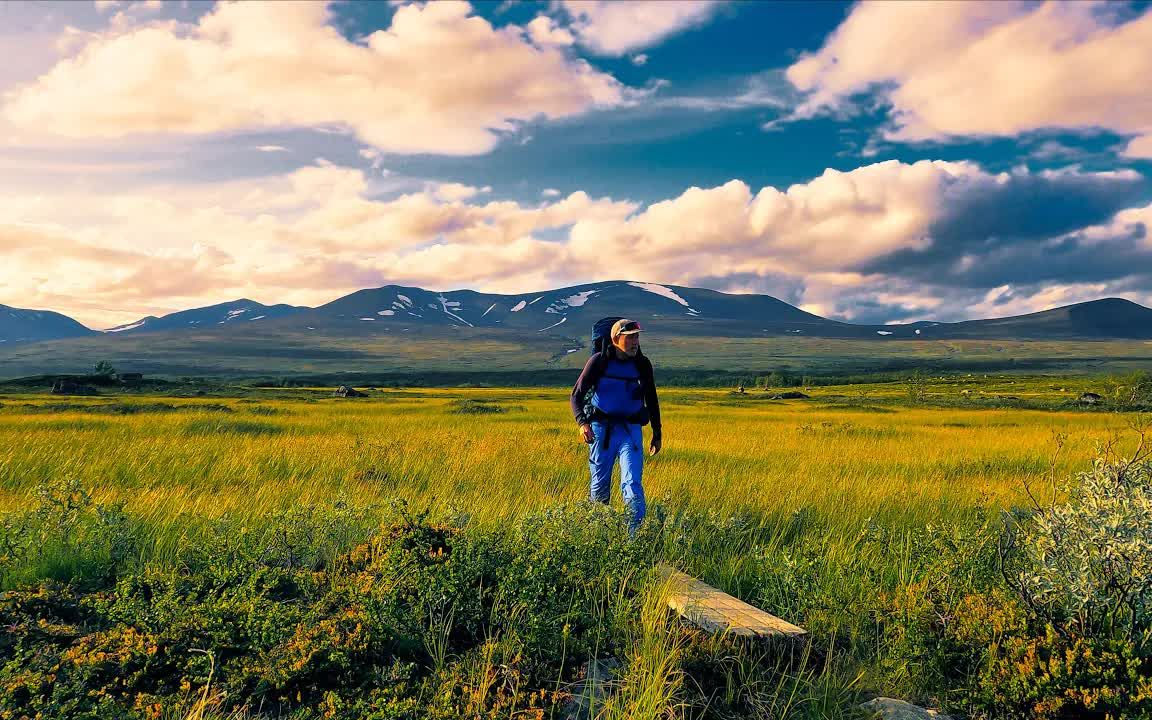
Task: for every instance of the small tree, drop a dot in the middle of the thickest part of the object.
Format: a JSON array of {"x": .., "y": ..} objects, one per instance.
[
  {"x": 779, "y": 379},
  {"x": 104, "y": 369},
  {"x": 917, "y": 387}
]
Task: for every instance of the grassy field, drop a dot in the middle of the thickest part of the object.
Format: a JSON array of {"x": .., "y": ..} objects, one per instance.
[
  {"x": 468, "y": 350},
  {"x": 842, "y": 460},
  {"x": 828, "y": 511}
]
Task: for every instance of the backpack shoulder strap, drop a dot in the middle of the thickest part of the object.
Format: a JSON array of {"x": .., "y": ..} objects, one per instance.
[{"x": 602, "y": 361}]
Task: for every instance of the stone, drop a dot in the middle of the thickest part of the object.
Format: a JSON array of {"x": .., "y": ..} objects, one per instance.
[
  {"x": 348, "y": 392},
  {"x": 1090, "y": 398},
  {"x": 883, "y": 708},
  {"x": 589, "y": 693},
  {"x": 790, "y": 395},
  {"x": 68, "y": 387}
]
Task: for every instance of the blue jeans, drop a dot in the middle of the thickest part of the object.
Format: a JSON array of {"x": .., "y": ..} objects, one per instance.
[{"x": 625, "y": 441}]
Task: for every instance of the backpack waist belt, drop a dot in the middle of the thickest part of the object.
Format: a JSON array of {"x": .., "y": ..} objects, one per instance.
[{"x": 610, "y": 420}]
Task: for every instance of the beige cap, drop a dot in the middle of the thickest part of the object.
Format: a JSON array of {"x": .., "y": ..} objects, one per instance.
[{"x": 624, "y": 326}]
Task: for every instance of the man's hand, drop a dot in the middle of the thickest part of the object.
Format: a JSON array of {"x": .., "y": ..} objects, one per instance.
[
  {"x": 657, "y": 441},
  {"x": 586, "y": 434}
]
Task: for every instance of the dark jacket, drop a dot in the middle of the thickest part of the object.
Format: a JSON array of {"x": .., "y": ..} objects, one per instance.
[{"x": 594, "y": 368}]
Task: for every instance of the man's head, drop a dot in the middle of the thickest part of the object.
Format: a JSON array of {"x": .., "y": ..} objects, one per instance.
[{"x": 625, "y": 336}]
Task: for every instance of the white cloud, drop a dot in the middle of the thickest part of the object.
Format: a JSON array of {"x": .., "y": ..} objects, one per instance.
[
  {"x": 271, "y": 148},
  {"x": 640, "y": 60},
  {"x": 453, "y": 192},
  {"x": 311, "y": 235},
  {"x": 544, "y": 31},
  {"x": 438, "y": 80},
  {"x": 834, "y": 223},
  {"x": 988, "y": 68},
  {"x": 617, "y": 27},
  {"x": 1131, "y": 222},
  {"x": 1140, "y": 147}
]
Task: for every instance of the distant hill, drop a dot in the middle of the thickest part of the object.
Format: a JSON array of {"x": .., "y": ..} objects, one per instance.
[
  {"x": 570, "y": 312},
  {"x": 1107, "y": 318},
  {"x": 554, "y": 322},
  {"x": 236, "y": 312},
  {"x": 18, "y": 325},
  {"x": 565, "y": 311}
]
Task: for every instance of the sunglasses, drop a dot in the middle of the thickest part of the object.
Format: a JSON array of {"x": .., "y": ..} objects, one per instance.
[{"x": 627, "y": 327}]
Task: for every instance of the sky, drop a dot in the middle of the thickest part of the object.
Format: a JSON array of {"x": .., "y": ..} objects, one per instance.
[{"x": 869, "y": 162}]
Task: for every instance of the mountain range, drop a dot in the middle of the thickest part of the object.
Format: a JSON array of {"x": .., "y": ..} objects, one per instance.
[
  {"x": 569, "y": 313},
  {"x": 17, "y": 325}
]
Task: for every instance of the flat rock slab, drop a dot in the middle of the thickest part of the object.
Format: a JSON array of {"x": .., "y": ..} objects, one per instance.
[
  {"x": 717, "y": 612},
  {"x": 892, "y": 709}
]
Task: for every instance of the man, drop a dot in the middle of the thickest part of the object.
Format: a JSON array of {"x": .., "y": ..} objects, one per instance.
[{"x": 623, "y": 401}]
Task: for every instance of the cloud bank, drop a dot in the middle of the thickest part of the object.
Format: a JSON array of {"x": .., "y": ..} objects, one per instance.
[
  {"x": 989, "y": 68},
  {"x": 439, "y": 79},
  {"x": 884, "y": 241}
]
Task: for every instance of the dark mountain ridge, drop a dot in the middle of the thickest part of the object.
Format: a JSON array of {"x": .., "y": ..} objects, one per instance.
[{"x": 569, "y": 313}]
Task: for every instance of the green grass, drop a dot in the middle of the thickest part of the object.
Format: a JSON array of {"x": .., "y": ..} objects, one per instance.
[
  {"x": 460, "y": 355},
  {"x": 502, "y": 452},
  {"x": 813, "y": 509}
]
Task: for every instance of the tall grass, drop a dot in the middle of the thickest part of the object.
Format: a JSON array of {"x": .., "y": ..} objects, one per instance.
[
  {"x": 759, "y": 459},
  {"x": 814, "y": 510}
]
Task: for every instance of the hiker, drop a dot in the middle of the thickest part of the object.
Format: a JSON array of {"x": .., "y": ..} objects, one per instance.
[{"x": 612, "y": 400}]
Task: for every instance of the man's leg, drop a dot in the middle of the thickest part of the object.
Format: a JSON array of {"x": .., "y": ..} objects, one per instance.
[
  {"x": 631, "y": 473},
  {"x": 600, "y": 462}
]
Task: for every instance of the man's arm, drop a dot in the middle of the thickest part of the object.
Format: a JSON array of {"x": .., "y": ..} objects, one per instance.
[
  {"x": 650, "y": 400},
  {"x": 586, "y": 381}
]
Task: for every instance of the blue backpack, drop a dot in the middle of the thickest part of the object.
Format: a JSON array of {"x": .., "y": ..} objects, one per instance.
[{"x": 601, "y": 339}]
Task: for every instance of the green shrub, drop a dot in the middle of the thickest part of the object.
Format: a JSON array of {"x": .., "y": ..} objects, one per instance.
[
  {"x": 1086, "y": 564},
  {"x": 1071, "y": 635},
  {"x": 67, "y": 536},
  {"x": 353, "y": 612}
]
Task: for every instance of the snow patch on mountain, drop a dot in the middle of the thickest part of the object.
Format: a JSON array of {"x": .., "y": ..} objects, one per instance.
[
  {"x": 519, "y": 306},
  {"x": 553, "y": 325},
  {"x": 660, "y": 290},
  {"x": 445, "y": 303},
  {"x": 122, "y": 328},
  {"x": 386, "y": 312},
  {"x": 571, "y": 301},
  {"x": 488, "y": 310}
]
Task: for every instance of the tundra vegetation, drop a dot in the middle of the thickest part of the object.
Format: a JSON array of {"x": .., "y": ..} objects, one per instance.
[{"x": 983, "y": 545}]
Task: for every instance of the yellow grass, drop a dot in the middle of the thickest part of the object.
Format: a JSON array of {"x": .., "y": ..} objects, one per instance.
[{"x": 719, "y": 453}]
